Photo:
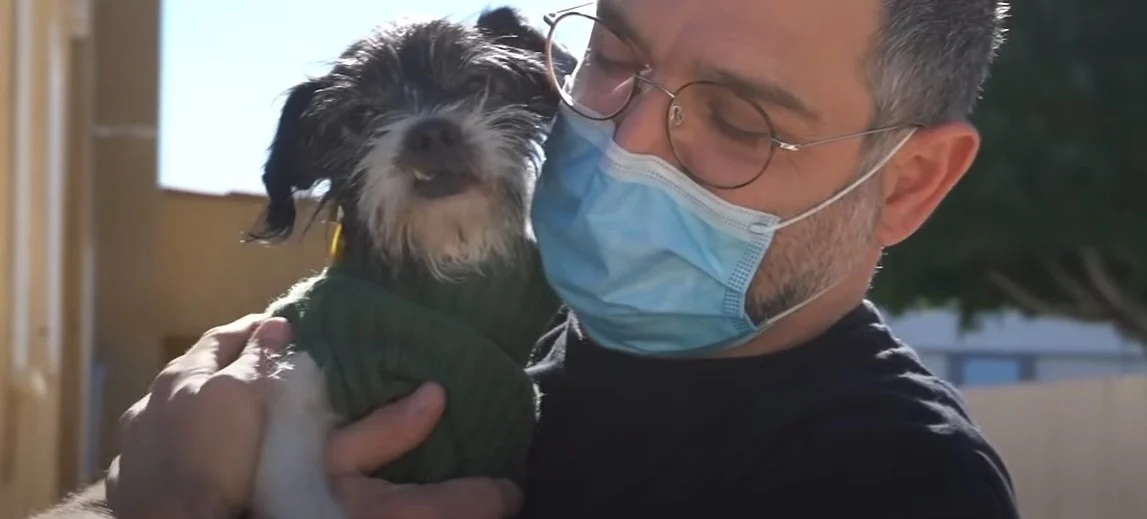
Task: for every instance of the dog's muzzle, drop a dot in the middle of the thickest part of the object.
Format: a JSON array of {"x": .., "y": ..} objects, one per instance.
[{"x": 435, "y": 153}]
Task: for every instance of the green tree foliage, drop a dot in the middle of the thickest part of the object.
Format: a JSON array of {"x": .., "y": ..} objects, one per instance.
[{"x": 1052, "y": 218}]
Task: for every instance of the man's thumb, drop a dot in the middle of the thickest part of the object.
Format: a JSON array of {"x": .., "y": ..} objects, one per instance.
[{"x": 387, "y": 433}]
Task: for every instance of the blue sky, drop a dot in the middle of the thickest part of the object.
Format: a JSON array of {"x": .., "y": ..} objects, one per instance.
[{"x": 226, "y": 64}]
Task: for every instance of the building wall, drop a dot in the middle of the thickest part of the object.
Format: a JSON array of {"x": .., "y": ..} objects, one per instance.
[
  {"x": 126, "y": 202},
  {"x": 78, "y": 220},
  {"x": 1075, "y": 449},
  {"x": 42, "y": 64},
  {"x": 208, "y": 277}
]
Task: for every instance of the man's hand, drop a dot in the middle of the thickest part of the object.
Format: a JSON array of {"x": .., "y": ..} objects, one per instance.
[
  {"x": 190, "y": 447},
  {"x": 387, "y": 434}
]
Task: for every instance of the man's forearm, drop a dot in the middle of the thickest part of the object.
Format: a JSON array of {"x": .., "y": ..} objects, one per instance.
[{"x": 88, "y": 503}]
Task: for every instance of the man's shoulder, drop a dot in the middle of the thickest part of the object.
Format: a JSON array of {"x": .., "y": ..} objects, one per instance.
[
  {"x": 896, "y": 408},
  {"x": 895, "y": 392},
  {"x": 897, "y": 471},
  {"x": 898, "y": 446}
]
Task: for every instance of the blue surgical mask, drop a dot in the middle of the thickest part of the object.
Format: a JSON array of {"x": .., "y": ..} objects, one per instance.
[{"x": 650, "y": 262}]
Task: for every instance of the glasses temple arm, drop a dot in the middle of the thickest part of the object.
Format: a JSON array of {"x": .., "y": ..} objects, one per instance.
[
  {"x": 551, "y": 18},
  {"x": 796, "y": 146}
]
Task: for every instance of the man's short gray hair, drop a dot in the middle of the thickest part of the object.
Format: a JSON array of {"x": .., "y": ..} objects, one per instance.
[{"x": 930, "y": 58}]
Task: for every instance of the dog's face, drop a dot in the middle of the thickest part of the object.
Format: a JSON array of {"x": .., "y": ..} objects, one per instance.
[{"x": 427, "y": 134}]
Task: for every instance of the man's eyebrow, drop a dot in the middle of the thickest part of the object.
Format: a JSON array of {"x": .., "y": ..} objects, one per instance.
[
  {"x": 763, "y": 90},
  {"x": 615, "y": 18}
]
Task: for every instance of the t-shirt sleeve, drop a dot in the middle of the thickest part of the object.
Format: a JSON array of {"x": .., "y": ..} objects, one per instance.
[{"x": 917, "y": 474}]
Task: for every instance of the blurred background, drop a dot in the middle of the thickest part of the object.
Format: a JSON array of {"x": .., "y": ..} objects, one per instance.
[{"x": 132, "y": 133}]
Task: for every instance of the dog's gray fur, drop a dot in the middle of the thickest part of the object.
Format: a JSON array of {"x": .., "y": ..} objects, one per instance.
[{"x": 354, "y": 133}]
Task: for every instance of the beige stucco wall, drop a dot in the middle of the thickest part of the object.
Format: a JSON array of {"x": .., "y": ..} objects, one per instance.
[
  {"x": 1076, "y": 450},
  {"x": 207, "y": 276},
  {"x": 126, "y": 202},
  {"x": 43, "y": 100}
]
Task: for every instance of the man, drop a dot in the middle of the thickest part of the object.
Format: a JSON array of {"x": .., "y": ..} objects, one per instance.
[{"x": 714, "y": 204}]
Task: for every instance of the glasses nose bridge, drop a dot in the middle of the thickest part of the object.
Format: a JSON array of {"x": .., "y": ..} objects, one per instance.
[
  {"x": 643, "y": 79},
  {"x": 633, "y": 131}
]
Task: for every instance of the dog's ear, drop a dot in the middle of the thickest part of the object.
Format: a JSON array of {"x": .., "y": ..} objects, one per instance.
[
  {"x": 288, "y": 168},
  {"x": 507, "y": 26}
]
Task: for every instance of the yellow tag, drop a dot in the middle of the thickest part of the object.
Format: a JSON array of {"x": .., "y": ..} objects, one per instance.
[{"x": 337, "y": 242}]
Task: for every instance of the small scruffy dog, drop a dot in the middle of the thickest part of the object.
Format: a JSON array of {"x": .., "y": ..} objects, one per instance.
[{"x": 426, "y": 135}]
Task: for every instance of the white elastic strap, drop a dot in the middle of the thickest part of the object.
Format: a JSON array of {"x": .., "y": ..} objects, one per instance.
[{"x": 847, "y": 189}]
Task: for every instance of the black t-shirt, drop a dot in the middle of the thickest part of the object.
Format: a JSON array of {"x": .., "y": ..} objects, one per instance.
[{"x": 849, "y": 425}]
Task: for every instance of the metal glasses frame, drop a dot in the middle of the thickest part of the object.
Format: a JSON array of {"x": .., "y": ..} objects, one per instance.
[{"x": 675, "y": 111}]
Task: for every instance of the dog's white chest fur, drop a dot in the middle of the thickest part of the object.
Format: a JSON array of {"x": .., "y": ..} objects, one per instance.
[{"x": 291, "y": 481}]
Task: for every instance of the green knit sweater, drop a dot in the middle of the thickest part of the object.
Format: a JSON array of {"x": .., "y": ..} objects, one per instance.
[{"x": 378, "y": 333}]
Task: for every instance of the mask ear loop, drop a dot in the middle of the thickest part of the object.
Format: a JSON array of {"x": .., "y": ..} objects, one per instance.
[
  {"x": 768, "y": 323},
  {"x": 847, "y": 189}
]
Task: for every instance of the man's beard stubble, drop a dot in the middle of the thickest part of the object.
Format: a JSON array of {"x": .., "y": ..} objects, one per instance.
[{"x": 811, "y": 255}]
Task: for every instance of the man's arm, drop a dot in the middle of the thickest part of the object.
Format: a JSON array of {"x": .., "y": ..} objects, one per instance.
[
  {"x": 88, "y": 503},
  {"x": 892, "y": 474}
]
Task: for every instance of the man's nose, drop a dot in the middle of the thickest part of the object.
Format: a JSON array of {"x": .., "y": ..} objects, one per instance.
[{"x": 641, "y": 127}]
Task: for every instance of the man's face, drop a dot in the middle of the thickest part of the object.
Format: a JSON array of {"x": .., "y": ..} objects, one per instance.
[{"x": 811, "y": 50}]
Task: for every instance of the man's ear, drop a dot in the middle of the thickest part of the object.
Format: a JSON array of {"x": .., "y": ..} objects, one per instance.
[
  {"x": 288, "y": 168},
  {"x": 922, "y": 174}
]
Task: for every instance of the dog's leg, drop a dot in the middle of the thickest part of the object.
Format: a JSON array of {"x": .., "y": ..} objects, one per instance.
[{"x": 291, "y": 482}]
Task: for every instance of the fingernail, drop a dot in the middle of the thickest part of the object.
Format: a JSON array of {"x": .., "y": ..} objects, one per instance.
[
  {"x": 426, "y": 397},
  {"x": 274, "y": 332}
]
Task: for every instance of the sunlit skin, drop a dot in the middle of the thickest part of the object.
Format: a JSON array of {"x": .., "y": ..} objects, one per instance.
[{"x": 814, "y": 50}]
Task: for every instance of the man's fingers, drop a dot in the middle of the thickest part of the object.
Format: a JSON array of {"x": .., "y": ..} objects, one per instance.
[
  {"x": 128, "y": 419},
  {"x": 492, "y": 498},
  {"x": 271, "y": 337},
  {"x": 466, "y": 497},
  {"x": 217, "y": 348},
  {"x": 231, "y": 339},
  {"x": 360, "y": 495},
  {"x": 387, "y": 433}
]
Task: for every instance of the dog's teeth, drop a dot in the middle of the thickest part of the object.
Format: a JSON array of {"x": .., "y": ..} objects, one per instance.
[{"x": 421, "y": 176}]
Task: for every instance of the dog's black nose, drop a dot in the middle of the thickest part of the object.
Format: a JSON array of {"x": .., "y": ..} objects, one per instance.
[
  {"x": 435, "y": 154},
  {"x": 434, "y": 136}
]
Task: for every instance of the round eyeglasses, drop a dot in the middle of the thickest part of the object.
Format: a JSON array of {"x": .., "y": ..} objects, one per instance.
[{"x": 719, "y": 136}]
